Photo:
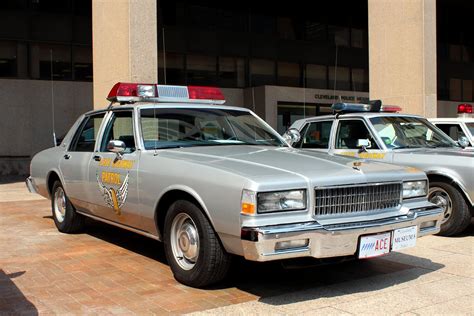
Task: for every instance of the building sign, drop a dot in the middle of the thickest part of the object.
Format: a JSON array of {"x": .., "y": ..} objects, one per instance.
[{"x": 327, "y": 98}]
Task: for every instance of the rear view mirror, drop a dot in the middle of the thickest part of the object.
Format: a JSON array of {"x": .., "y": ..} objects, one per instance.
[
  {"x": 463, "y": 141},
  {"x": 292, "y": 136},
  {"x": 117, "y": 146},
  {"x": 361, "y": 143}
]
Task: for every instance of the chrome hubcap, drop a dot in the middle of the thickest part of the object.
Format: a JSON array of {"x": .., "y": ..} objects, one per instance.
[
  {"x": 184, "y": 241},
  {"x": 59, "y": 204},
  {"x": 442, "y": 199}
]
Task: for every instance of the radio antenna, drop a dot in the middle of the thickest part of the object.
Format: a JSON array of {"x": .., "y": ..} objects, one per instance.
[
  {"x": 52, "y": 97},
  {"x": 304, "y": 92},
  {"x": 335, "y": 76}
]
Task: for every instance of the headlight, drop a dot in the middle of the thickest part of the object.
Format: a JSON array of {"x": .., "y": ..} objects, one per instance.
[
  {"x": 413, "y": 189},
  {"x": 281, "y": 201}
]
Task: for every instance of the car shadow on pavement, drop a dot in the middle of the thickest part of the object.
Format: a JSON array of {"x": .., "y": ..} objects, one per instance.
[
  {"x": 274, "y": 284},
  {"x": 12, "y": 300}
]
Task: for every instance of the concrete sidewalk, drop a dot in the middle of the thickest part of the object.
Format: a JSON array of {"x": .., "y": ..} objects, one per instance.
[{"x": 107, "y": 270}]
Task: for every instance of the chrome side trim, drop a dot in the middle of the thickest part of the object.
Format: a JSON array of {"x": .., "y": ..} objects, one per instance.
[
  {"x": 31, "y": 185},
  {"x": 134, "y": 230}
]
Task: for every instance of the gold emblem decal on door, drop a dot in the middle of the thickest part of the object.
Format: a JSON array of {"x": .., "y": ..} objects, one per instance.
[{"x": 113, "y": 197}]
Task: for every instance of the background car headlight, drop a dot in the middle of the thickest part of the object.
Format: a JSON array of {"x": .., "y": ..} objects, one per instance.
[
  {"x": 413, "y": 189},
  {"x": 281, "y": 201}
]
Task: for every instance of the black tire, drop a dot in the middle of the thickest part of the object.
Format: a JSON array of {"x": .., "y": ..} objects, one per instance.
[
  {"x": 460, "y": 216},
  {"x": 71, "y": 222},
  {"x": 212, "y": 263}
]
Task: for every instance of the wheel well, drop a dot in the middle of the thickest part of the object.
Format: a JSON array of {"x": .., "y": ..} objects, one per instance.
[
  {"x": 52, "y": 177},
  {"x": 440, "y": 178},
  {"x": 164, "y": 204}
]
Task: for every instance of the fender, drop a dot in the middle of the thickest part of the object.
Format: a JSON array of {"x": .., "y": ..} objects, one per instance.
[{"x": 449, "y": 176}]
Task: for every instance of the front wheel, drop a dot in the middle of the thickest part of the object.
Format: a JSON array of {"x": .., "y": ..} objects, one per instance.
[
  {"x": 192, "y": 248},
  {"x": 65, "y": 217},
  {"x": 456, "y": 211}
]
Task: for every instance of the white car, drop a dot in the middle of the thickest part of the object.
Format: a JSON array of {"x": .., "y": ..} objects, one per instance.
[{"x": 460, "y": 129}]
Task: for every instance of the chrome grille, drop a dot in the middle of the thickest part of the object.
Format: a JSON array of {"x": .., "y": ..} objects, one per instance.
[{"x": 357, "y": 198}]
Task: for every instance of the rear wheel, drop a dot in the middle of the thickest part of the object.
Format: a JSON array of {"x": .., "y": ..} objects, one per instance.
[
  {"x": 456, "y": 215},
  {"x": 193, "y": 250},
  {"x": 65, "y": 217}
]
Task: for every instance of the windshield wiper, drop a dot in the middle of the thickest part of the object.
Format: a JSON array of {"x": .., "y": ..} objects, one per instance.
[{"x": 406, "y": 146}]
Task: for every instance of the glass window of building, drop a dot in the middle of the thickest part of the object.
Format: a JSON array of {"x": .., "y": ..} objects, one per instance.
[
  {"x": 8, "y": 59},
  {"x": 262, "y": 72},
  {"x": 82, "y": 63},
  {"x": 262, "y": 24},
  {"x": 315, "y": 31},
  {"x": 339, "y": 35},
  {"x": 339, "y": 78},
  {"x": 201, "y": 70},
  {"x": 202, "y": 17},
  {"x": 467, "y": 54},
  {"x": 288, "y": 74},
  {"x": 358, "y": 38},
  {"x": 455, "y": 89},
  {"x": 231, "y": 72},
  {"x": 232, "y": 20},
  {"x": 316, "y": 76},
  {"x": 174, "y": 72},
  {"x": 360, "y": 79},
  {"x": 455, "y": 52},
  {"x": 467, "y": 90},
  {"x": 51, "y": 27},
  {"x": 287, "y": 114},
  {"x": 41, "y": 56},
  {"x": 286, "y": 29}
]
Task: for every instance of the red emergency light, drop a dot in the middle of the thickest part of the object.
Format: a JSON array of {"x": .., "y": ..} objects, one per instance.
[
  {"x": 391, "y": 108},
  {"x": 134, "y": 92},
  {"x": 464, "y": 108}
]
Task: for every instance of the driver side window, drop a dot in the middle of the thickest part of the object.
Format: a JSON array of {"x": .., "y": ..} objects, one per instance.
[
  {"x": 350, "y": 131},
  {"x": 120, "y": 127}
]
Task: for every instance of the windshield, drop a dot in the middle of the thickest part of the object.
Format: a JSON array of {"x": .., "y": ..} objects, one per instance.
[
  {"x": 470, "y": 126},
  {"x": 186, "y": 127},
  {"x": 409, "y": 132}
]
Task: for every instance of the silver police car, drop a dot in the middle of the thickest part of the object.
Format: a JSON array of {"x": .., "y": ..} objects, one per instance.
[
  {"x": 212, "y": 181},
  {"x": 373, "y": 132}
]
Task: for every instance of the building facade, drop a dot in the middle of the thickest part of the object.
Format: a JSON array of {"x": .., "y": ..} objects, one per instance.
[{"x": 59, "y": 58}]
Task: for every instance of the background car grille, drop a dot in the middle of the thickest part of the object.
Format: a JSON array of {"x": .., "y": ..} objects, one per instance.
[{"x": 357, "y": 198}]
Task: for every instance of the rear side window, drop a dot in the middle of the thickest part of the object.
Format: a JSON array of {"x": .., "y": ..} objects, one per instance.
[
  {"x": 86, "y": 134},
  {"x": 453, "y": 130},
  {"x": 315, "y": 135}
]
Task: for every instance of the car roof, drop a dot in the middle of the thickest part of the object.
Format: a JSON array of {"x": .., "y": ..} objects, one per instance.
[
  {"x": 453, "y": 119},
  {"x": 168, "y": 105},
  {"x": 359, "y": 115}
]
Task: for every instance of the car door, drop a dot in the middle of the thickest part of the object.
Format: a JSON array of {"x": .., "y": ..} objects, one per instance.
[
  {"x": 348, "y": 132},
  {"x": 112, "y": 177},
  {"x": 74, "y": 165},
  {"x": 316, "y": 136}
]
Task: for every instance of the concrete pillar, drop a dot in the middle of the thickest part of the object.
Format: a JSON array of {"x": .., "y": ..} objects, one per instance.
[
  {"x": 402, "y": 54},
  {"x": 124, "y": 44}
]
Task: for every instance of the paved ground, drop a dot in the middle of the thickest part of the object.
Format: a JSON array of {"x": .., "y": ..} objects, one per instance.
[{"x": 108, "y": 270}]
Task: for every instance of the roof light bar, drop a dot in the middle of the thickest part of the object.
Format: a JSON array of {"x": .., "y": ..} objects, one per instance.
[
  {"x": 391, "y": 108},
  {"x": 350, "y": 107},
  {"x": 464, "y": 108},
  {"x": 134, "y": 92}
]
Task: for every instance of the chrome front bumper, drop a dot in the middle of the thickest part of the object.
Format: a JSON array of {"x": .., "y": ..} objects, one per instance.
[
  {"x": 260, "y": 243},
  {"x": 31, "y": 185}
]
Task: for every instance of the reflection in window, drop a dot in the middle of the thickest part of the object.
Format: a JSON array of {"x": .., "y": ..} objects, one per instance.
[
  {"x": 357, "y": 38},
  {"x": 201, "y": 70},
  {"x": 455, "y": 52},
  {"x": 82, "y": 63},
  {"x": 338, "y": 35},
  {"x": 262, "y": 72},
  {"x": 262, "y": 24},
  {"x": 286, "y": 29},
  {"x": 8, "y": 59},
  {"x": 41, "y": 57},
  {"x": 339, "y": 78},
  {"x": 315, "y": 31},
  {"x": 316, "y": 76},
  {"x": 174, "y": 69},
  {"x": 360, "y": 79},
  {"x": 455, "y": 89},
  {"x": 289, "y": 74},
  {"x": 231, "y": 72}
]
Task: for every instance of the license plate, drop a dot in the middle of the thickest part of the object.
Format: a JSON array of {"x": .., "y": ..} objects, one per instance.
[
  {"x": 374, "y": 245},
  {"x": 404, "y": 238}
]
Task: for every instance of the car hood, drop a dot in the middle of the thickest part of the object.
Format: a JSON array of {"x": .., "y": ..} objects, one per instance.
[{"x": 258, "y": 162}]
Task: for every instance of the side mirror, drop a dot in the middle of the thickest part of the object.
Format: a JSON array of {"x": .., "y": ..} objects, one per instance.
[
  {"x": 363, "y": 144},
  {"x": 463, "y": 141},
  {"x": 117, "y": 146},
  {"x": 292, "y": 136}
]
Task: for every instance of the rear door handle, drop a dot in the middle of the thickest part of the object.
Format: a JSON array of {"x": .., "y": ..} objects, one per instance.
[
  {"x": 67, "y": 156},
  {"x": 97, "y": 158}
]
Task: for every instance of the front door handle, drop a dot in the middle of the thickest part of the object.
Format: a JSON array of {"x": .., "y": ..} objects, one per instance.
[
  {"x": 67, "y": 156},
  {"x": 97, "y": 158}
]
